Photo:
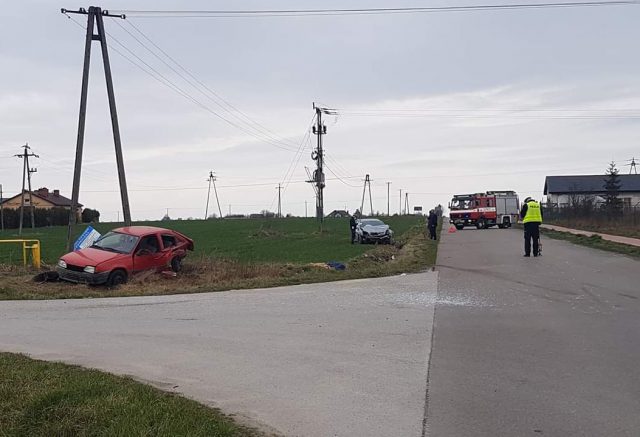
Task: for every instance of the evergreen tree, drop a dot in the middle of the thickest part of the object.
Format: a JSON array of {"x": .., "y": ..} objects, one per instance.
[{"x": 612, "y": 185}]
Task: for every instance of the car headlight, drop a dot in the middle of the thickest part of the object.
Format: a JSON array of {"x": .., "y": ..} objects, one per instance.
[
  {"x": 90, "y": 269},
  {"x": 62, "y": 264}
]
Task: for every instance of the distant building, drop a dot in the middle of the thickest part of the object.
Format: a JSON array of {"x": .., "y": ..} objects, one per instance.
[
  {"x": 560, "y": 190},
  {"x": 42, "y": 198},
  {"x": 338, "y": 213}
]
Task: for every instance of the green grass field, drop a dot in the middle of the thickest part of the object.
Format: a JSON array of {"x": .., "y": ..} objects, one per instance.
[
  {"x": 38, "y": 398},
  {"x": 238, "y": 254},
  {"x": 293, "y": 240}
]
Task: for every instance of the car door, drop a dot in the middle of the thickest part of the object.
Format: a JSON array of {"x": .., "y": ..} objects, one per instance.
[{"x": 148, "y": 255}]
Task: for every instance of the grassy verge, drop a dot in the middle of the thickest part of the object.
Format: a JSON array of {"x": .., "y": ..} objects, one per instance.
[
  {"x": 39, "y": 398},
  {"x": 594, "y": 241},
  {"x": 413, "y": 252},
  {"x": 611, "y": 228}
]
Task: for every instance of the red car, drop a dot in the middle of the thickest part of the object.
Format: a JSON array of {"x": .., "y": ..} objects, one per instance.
[{"x": 118, "y": 254}]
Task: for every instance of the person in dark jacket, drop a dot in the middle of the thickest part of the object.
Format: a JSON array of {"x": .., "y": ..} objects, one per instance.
[
  {"x": 352, "y": 225},
  {"x": 531, "y": 215},
  {"x": 432, "y": 224}
]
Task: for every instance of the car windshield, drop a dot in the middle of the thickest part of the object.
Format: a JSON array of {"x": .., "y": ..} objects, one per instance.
[
  {"x": 116, "y": 242},
  {"x": 372, "y": 222}
]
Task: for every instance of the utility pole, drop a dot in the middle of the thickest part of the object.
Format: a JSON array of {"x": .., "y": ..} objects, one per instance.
[
  {"x": 318, "y": 155},
  {"x": 367, "y": 182},
  {"x": 400, "y": 207},
  {"x": 406, "y": 203},
  {"x": 212, "y": 180},
  {"x": 279, "y": 188},
  {"x": 305, "y": 209},
  {"x": 95, "y": 16},
  {"x": 388, "y": 186},
  {"x": 26, "y": 176},
  {"x": 1, "y": 210}
]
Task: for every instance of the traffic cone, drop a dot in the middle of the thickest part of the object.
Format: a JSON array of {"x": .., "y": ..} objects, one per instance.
[{"x": 452, "y": 229}]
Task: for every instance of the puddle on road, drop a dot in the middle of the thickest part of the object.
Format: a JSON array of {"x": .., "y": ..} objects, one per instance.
[{"x": 430, "y": 298}]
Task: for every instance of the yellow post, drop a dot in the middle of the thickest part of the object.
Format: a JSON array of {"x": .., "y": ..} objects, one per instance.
[{"x": 34, "y": 246}]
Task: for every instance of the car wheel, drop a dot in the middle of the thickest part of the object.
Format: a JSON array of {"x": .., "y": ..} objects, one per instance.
[
  {"x": 117, "y": 277},
  {"x": 459, "y": 227},
  {"x": 176, "y": 264},
  {"x": 501, "y": 226},
  {"x": 481, "y": 224}
]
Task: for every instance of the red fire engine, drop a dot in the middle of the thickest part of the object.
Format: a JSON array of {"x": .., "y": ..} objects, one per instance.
[{"x": 483, "y": 210}]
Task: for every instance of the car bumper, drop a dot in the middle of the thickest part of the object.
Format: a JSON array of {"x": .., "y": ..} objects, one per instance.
[
  {"x": 370, "y": 237},
  {"x": 82, "y": 277}
]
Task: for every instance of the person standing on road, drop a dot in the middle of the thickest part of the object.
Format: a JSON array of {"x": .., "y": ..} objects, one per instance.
[
  {"x": 432, "y": 224},
  {"x": 352, "y": 225},
  {"x": 531, "y": 215}
]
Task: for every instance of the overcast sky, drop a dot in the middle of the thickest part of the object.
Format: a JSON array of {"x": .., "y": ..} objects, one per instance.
[{"x": 436, "y": 104}]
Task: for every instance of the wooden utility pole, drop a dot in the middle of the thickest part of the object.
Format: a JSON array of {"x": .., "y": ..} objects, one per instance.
[
  {"x": 95, "y": 17},
  {"x": 26, "y": 178}
]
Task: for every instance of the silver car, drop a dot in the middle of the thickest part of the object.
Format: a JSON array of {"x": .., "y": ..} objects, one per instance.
[{"x": 373, "y": 231}]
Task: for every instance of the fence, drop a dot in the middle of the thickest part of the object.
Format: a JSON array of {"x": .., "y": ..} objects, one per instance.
[{"x": 592, "y": 216}]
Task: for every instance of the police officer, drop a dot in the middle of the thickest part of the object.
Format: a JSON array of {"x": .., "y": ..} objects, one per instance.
[
  {"x": 432, "y": 224},
  {"x": 352, "y": 225},
  {"x": 531, "y": 215}
]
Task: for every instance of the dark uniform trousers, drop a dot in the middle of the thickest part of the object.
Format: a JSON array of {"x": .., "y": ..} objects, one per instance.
[{"x": 531, "y": 231}]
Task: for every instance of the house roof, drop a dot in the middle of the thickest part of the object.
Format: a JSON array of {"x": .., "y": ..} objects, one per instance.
[
  {"x": 52, "y": 197},
  {"x": 338, "y": 211},
  {"x": 587, "y": 184}
]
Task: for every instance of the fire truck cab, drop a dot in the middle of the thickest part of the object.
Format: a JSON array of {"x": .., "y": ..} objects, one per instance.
[{"x": 484, "y": 210}]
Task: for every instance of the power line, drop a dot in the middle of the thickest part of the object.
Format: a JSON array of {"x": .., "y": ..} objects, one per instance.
[
  {"x": 202, "y": 87},
  {"x": 365, "y": 11},
  {"x": 170, "y": 84}
]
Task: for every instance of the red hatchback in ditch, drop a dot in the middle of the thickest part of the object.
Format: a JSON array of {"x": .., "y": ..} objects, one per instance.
[{"x": 118, "y": 254}]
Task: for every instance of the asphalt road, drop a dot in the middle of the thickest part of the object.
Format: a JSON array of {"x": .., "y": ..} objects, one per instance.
[
  {"x": 337, "y": 359},
  {"x": 546, "y": 346}
]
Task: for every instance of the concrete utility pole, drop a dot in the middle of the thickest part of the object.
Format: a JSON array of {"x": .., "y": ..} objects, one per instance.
[
  {"x": 212, "y": 180},
  {"x": 400, "y": 207},
  {"x": 318, "y": 155},
  {"x": 95, "y": 16},
  {"x": 305, "y": 209},
  {"x": 279, "y": 188},
  {"x": 406, "y": 203},
  {"x": 388, "y": 186},
  {"x": 367, "y": 182},
  {"x": 26, "y": 176}
]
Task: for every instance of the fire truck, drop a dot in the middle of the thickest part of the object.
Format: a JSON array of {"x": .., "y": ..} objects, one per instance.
[{"x": 484, "y": 210}]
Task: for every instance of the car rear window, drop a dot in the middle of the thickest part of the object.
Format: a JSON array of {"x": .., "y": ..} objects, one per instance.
[{"x": 168, "y": 241}]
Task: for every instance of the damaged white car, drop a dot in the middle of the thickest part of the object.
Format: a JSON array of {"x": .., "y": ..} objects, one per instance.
[{"x": 373, "y": 231}]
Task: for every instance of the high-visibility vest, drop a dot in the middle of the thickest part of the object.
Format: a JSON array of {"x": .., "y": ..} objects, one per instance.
[{"x": 533, "y": 213}]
